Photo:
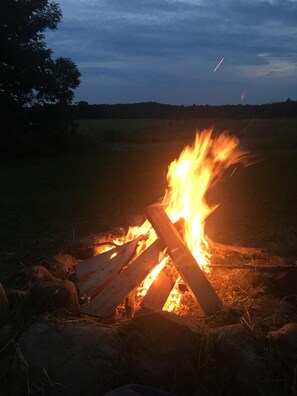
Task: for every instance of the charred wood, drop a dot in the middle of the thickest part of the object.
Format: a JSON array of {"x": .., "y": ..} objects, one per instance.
[{"x": 159, "y": 291}]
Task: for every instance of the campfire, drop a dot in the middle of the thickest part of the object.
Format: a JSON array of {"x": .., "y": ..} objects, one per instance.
[{"x": 170, "y": 249}]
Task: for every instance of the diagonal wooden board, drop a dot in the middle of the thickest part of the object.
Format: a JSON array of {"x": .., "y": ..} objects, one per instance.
[
  {"x": 104, "y": 267},
  {"x": 115, "y": 292},
  {"x": 198, "y": 285},
  {"x": 87, "y": 267}
]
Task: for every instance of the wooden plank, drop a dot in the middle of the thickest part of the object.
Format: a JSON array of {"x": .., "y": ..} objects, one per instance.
[
  {"x": 198, "y": 284},
  {"x": 130, "y": 305},
  {"x": 108, "y": 269},
  {"x": 115, "y": 292},
  {"x": 87, "y": 267},
  {"x": 159, "y": 291}
]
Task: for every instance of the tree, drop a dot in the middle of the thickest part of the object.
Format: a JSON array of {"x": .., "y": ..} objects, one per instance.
[{"x": 28, "y": 74}]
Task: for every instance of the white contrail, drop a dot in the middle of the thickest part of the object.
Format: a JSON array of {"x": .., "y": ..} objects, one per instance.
[{"x": 218, "y": 65}]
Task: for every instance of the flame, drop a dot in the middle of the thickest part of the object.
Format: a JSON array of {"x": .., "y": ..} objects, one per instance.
[
  {"x": 189, "y": 177},
  {"x": 149, "y": 280},
  {"x": 174, "y": 298}
]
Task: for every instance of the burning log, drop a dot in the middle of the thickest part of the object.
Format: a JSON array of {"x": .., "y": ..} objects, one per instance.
[
  {"x": 195, "y": 279},
  {"x": 130, "y": 305},
  {"x": 102, "y": 269},
  {"x": 87, "y": 267},
  {"x": 159, "y": 291},
  {"x": 115, "y": 292}
]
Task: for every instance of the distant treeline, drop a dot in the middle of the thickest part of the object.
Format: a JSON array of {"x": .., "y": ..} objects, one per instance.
[{"x": 83, "y": 110}]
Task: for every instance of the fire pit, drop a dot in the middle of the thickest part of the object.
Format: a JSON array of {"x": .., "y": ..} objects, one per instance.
[{"x": 150, "y": 260}]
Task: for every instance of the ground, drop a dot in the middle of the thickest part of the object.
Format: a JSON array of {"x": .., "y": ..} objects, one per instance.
[{"x": 49, "y": 205}]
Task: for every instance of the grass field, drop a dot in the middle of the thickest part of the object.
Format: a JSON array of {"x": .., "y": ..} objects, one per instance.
[{"x": 48, "y": 204}]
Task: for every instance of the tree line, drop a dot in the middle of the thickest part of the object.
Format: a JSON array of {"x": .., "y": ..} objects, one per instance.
[{"x": 83, "y": 110}]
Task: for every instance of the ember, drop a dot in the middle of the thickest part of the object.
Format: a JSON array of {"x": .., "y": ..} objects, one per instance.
[{"x": 189, "y": 177}]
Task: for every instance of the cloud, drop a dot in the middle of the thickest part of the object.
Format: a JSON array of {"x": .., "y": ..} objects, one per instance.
[{"x": 138, "y": 42}]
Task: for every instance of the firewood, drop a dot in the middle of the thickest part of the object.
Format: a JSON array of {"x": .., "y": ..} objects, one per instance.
[
  {"x": 130, "y": 305},
  {"x": 115, "y": 292},
  {"x": 201, "y": 290},
  {"x": 159, "y": 291},
  {"x": 87, "y": 267},
  {"x": 108, "y": 270}
]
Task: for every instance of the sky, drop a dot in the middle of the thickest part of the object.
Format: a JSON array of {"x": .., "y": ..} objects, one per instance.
[{"x": 167, "y": 51}]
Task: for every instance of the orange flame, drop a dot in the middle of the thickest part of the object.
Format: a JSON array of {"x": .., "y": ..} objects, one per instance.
[{"x": 189, "y": 177}]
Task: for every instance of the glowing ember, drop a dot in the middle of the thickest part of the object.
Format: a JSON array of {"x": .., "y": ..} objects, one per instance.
[
  {"x": 174, "y": 298},
  {"x": 189, "y": 177},
  {"x": 149, "y": 280}
]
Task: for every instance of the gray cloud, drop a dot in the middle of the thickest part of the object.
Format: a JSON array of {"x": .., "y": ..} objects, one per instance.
[{"x": 136, "y": 50}]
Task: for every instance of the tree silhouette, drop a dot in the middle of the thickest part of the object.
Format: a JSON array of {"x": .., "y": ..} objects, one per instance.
[{"x": 28, "y": 74}]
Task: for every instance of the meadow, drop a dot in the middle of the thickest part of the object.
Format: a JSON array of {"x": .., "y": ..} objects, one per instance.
[{"x": 47, "y": 205}]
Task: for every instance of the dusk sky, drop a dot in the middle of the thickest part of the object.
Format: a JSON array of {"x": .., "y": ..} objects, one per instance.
[{"x": 167, "y": 50}]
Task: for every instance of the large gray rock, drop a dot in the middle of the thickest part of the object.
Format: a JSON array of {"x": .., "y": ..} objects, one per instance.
[
  {"x": 239, "y": 360},
  {"x": 160, "y": 350},
  {"x": 69, "y": 360}
]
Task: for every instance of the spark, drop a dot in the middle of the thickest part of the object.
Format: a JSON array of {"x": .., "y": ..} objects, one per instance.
[
  {"x": 234, "y": 170},
  {"x": 218, "y": 65}
]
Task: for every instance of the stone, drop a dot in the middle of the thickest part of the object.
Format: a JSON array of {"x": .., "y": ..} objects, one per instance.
[
  {"x": 286, "y": 334},
  {"x": 239, "y": 359},
  {"x": 4, "y": 306},
  {"x": 26, "y": 277},
  {"x": 159, "y": 350},
  {"x": 50, "y": 297},
  {"x": 70, "y": 360},
  {"x": 284, "y": 341}
]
